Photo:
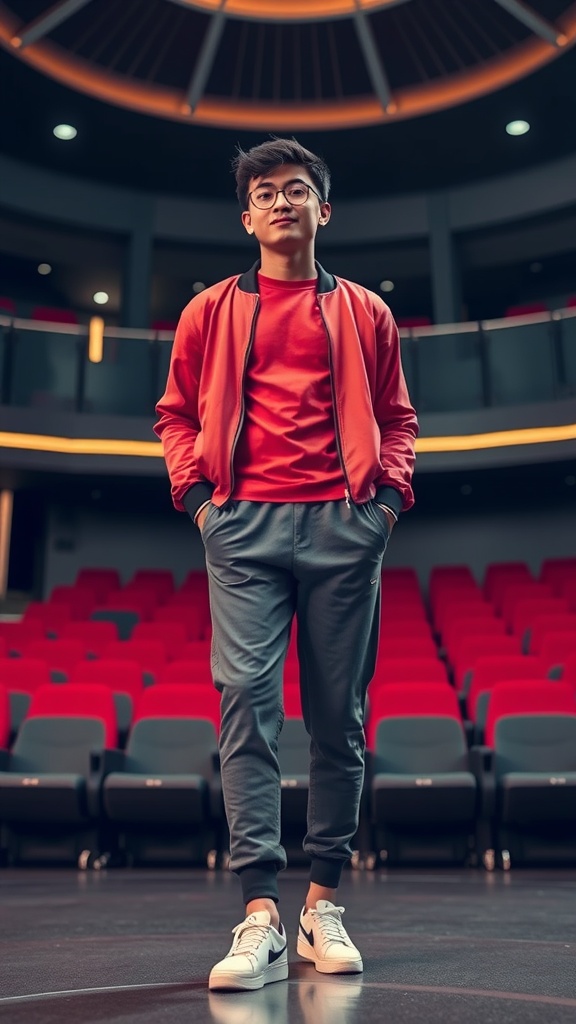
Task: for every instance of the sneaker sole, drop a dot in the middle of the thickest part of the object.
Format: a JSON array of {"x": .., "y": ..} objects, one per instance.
[
  {"x": 237, "y": 983},
  {"x": 329, "y": 966}
]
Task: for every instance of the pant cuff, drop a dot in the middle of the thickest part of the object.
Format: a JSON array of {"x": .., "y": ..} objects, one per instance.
[
  {"x": 326, "y": 872},
  {"x": 259, "y": 881}
]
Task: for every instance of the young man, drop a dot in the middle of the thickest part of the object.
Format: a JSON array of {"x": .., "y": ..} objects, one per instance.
[{"x": 289, "y": 439}]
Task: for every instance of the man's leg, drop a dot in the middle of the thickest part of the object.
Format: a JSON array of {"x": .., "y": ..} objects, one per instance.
[
  {"x": 338, "y": 566},
  {"x": 248, "y": 554}
]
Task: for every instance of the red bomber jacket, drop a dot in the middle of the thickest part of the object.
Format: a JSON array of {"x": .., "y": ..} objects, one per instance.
[{"x": 202, "y": 409}]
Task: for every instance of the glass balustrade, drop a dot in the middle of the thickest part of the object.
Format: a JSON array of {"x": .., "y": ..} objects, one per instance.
[{"x": 448, "y": 367}]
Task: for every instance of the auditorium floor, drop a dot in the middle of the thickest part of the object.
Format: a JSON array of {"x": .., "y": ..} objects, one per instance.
[{"x": 439, "y": 946}]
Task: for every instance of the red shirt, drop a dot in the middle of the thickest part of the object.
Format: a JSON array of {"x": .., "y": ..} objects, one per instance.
[{"x": 287, "y": 446}]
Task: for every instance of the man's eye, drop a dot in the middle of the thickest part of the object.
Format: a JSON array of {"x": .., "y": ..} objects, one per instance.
[
  {"x": 296, "y": 192},
  {"x": 263, "y": 196}
]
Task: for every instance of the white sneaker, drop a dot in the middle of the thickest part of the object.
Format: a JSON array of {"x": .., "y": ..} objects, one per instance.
[
  {"x": 323, "y": 938},
  {"x": 256, "y": 957}
]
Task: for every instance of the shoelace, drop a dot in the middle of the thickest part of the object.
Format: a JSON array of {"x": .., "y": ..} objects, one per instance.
[
  {"x": 331, "y": 927},
  {"x": 247, "y": 938}
]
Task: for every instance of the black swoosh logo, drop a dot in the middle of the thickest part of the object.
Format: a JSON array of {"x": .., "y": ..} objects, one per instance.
[
  {"x": 308, "y": 935},
  {"x": 272, "y": 956}
]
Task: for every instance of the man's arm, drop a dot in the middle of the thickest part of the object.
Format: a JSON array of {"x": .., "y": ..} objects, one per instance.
[
  {"x": 395, "y": 416},
  {"x": 179, "y": 424}
]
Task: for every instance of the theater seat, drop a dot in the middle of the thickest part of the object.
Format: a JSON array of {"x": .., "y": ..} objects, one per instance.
[
  {"x": 163, "y": 799},
  {"x": 21, "y": 677},
  {"x": 423, "y": 795},
  {"x": 50, "y": 782},
  {"x": 531, "y": 729}
]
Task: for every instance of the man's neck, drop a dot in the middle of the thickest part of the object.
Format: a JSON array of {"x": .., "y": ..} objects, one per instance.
[{"x": 298, "y": 266}]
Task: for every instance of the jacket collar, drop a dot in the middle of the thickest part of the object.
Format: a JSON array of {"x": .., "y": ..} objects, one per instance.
[{"x": 248, "y": 282}]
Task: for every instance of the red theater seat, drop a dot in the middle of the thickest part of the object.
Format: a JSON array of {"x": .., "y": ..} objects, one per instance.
[
  {"x": 92, "y": 634},
  {"x": 543, "y": 624},
  {"x": 60, "y": 655},
  {"x": 292, "y": 701},
  {"x": 556, "y": 646},
  {"x": 526, "y": 309},
  {"x": 102, "y": 581},
  {"x": 408, "y": 670},
  {"x": 119, "y": 676},
  {"x": 399, "y": 700},
  {"x": 527, "y": 697},
  {"x": 53, "y": 315},
  {"x": 84, "y": 701},
  {"x": 191, "y": 672},
  {"x": 150, "y": 655},
  {"x": 491, "y": 670},
  {"x": 172, "y": 634},
  {"x": 179, "y": 701},
  {"x": 17, "y": 635},
  {"x": 24, "y": 675}
]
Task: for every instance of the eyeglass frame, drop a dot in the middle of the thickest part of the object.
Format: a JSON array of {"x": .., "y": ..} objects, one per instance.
[{"x": 283, "y": 191}]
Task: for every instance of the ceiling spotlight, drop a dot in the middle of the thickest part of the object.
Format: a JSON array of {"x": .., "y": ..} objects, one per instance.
[
  {"x": 198, "y": 287},
  {"x": 101, "y": 298},
  {"x": 517, "y": 127},
  {"x": 65, "y": 132},
  {"x": 386, "y": 286},
  {"x": 44, "y": 268}
]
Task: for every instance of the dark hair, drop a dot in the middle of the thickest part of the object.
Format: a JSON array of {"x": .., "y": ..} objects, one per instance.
[{"x": 261, "y": 159}]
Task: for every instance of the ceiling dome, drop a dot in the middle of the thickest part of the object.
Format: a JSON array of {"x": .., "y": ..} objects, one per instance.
[{"x": 287, "y": 64}]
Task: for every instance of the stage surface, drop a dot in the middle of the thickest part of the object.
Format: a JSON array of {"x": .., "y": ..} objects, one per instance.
[{"x": 439, "y": 947}]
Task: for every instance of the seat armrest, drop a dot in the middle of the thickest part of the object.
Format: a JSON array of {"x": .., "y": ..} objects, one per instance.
[
  {"x": 482, "y": 767},
  {"x": 102, "y": 762}
]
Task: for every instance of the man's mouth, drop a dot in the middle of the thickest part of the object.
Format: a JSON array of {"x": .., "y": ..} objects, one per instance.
[{"x": 284, "y": 220}]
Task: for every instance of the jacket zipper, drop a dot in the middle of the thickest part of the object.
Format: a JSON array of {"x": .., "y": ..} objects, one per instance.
[
  {"x": 335, "y": 407},
  {"x": 242, "y": 402}
]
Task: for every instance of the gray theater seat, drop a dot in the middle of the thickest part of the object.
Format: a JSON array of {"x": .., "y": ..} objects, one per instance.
[
  {"x": 423, "y": 795},
  {"x": 164, "y": 803}
]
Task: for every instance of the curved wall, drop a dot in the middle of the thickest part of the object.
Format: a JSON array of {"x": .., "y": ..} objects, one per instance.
[{"x": 536, "y": 191}]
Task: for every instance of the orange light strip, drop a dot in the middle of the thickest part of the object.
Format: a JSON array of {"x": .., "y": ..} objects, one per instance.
[
  {"x": 147, "y": 449},
  {"x": 6, "y": 509},
  {"x": 96, "y": 339},
  {"x": 161, "y": 101},
  {"x": 289, "y": 10}
]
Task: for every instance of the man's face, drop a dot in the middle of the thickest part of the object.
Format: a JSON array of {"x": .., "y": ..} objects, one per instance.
[{"x": 285, "y": 227}]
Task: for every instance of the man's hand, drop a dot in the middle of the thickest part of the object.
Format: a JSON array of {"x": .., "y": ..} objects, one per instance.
[
  {"x": 390, "y": 519},
  {"x": 201, "y": 517}
]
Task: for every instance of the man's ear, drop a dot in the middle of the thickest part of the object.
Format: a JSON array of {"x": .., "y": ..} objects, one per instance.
[
  {"x": 325, "y": 213},
  {"x": 247, "y": 222}
]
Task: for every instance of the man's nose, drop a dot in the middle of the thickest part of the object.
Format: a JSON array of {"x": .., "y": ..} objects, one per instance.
[{"x": 281, "y": 201}]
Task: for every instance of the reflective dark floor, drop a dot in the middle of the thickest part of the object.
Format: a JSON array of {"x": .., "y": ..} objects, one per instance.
[{"x": 438, "y": 946}]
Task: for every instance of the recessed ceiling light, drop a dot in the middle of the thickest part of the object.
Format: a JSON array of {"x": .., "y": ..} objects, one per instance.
[
  {"x": 65, "y": 132},
  {"x": 198, "y": 286},
  {"x": 386, "y": 286},
  {"x": 101, "y": 298},
  {"x": 517, "y": 127},
  {"x": 44, "y": 268}
]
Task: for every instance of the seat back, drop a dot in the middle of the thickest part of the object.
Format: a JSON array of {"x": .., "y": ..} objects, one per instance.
[
  {"x": 431, "y": 743},
  {"x": 493, "y": 669},
  {"x": 527, "y": 697},
  {"x": 119, "y": 676},
  {"x": 184, "y": 673},
  {"x": 24, "y": 675},
  {"x": 535, "y": 743},
  {"x": 172, "y": 746},
  {"x": 174, "y": 701},
  {"x": 57, "y": 744},
  {"x": 4, "y": 717},
  {"x": 83, "y": 701},
  {"x": 408, "y": 670},
  {"x": 400, "y": 700}
]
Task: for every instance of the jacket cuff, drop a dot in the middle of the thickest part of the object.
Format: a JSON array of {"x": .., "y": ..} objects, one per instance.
[
  {"x": 387, "y": 495},
  {"x": 196, "y": 496}
]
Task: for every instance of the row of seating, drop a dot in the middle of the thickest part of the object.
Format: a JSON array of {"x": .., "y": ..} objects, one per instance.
[{"x": 66, "y": 789}]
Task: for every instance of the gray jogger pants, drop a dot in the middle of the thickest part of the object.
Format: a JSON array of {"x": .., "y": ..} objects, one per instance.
[{"x": 266, "y": 563}]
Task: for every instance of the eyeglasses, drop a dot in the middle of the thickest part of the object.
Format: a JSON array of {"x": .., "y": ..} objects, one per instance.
[{"x": 296, "y": 194}]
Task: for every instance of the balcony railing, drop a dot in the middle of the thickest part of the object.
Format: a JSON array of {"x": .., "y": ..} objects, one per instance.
[{"x": 449, "y": 367}]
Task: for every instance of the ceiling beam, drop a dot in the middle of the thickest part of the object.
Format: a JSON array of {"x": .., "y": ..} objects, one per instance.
[
  {"x": 44, "y": 23},
  {"x": 374, "y": 64},
  {"x": 201, "y": 74},
  {"x": 529, "y": 17}
]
